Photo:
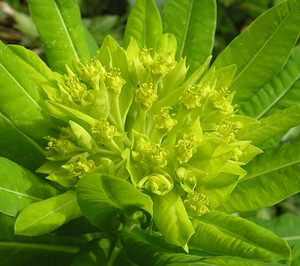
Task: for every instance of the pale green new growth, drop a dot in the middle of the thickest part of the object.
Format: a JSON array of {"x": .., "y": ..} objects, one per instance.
[{"x": 182, "y": 145}]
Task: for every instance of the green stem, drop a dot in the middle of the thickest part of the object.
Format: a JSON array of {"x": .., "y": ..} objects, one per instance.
[
  {"x": 117, "y": 112},
  {"x": 113, "y": 255}
]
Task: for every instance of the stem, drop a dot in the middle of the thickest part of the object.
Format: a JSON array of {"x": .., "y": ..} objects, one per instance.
[
  {"x": 143, "y": 116},
  {"x": 117, "y": 112},
  {"x": 113, "y": 255}
]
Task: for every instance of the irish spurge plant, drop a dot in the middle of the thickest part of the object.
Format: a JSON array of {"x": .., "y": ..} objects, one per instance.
[{"x": 146, "y": 154}]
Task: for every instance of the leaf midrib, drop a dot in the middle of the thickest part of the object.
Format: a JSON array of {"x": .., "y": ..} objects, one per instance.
[
  {"x": 269, "y": 123},
  {"x": 242, "y": 238},
  {"x": 273, "y": 169},
  {"x": 40, "y": 246},
  {"x": 66, "y": 30},
  {"x": 186, "y": 26},
  {"x": 278, "y": 98},
  {"x": 20, "y": 194},
  {"x": 253, "y": 58},
  {"x": 20, "y": 86},
  {"x": 30, "y": 140},
  {"x": 50, "y": 213}
]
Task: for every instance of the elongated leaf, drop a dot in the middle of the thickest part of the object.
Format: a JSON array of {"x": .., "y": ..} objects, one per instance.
[
  {"x": 32, "y": 64},
  {"x": 103, "y": 198},
  {"x": 262, "y": 49},
  {"x": 61, "y": 31},
  {"x": 171, "y": 218},
  {"x": 46, "y": 250},
  {"x": 285, "y": 226},
  {"x": 236, "y": 236},
  {"x": 20, "y": 97},
  {"x": 143, "y": 24},
  {"x": 194, "y": 28},
  {"x": 271, "y": 177},
  {"x": 18, "y": 147},
  {"x": 19, "y": 188},
  {"x": 272, "y": 125},
  {"x": 47, "y": 215},
  {"x": 146, "y": 249},
  {"x": 236, "y": 261},
  {"x": 281, "y": 92}
]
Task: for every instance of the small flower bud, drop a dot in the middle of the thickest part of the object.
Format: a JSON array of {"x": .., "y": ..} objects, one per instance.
[
  {"x": 113, "y": 80},
  {"x": 164, "y": 120},
  {"x": 197, "y": 203},
  {"x": 186, "y": 148},
  {"x": 80, "y": 167},
  {"x": 156, "y": 183},
  {"x": 103, "y": 132},
  {"x": 150, "y": 152},
  {"x": 145, "y": 95},
  {"x": 191, "y": 97}
]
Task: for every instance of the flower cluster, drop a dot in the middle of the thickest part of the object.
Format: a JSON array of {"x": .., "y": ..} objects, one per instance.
[{"x": 139, "y": 114}]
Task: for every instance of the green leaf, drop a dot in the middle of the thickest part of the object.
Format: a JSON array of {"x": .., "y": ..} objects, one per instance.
[
  {"x": 21, "y": 98},
  {"x": 143, "y": 24},
  {"x": 47, "y": 215},
  {"x": 219, "y": 189},
  {"x": 272, "y": 125},
  {"x": 235, "y": 261},
  {"x": 66, "y": 113},
  {"x": 286, "y": 226},
  {"x": 104, "y": 198},
  {"x": 171, "y": 219},
  {"x": 19, "y": 188},
  {"x": 262, "y": 49},
  {"x": 281, "y": 92},
  {"x": 194, "y": 28},
  {"x": 231, "y": 235},
  {"x": 45, "y": 250},
  {"x": 32, "y": 64},
  {"x": 212, "y": 155},
  {"x": 144, "y": 248},
  {"x": 61, "y": 31},
  {"x": 18, "y": 147},
  {"x": 271, "y": 177}
]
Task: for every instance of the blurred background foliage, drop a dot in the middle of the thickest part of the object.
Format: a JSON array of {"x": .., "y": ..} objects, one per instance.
[
  {"x": 109, "y": 16},
  {"x": 104, "y": 17}
]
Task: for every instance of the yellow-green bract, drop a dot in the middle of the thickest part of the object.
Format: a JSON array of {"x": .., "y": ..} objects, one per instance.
[{"x": 137, "y": 115}]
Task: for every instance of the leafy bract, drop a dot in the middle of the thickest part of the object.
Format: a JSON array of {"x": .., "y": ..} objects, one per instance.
[
  {"x": 279, "y": 93},
  {"x": 171, "y": 218},
  {"x": 61, "y": 31},
  {"x": 236, "y": 236},
  {"x": 143, "y": 24},
  {"x": 47, "y": 215},
  {"x": 19, "y": 188},
  {"x": 270, "y": 178},
  {"x": 194, "y": 28},
  {"x": 262, "y": 49},
  {"x": 104, "y": 198}
]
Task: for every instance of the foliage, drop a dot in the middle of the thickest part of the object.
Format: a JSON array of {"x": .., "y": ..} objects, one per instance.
[{"x": 140, "y": 155}]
